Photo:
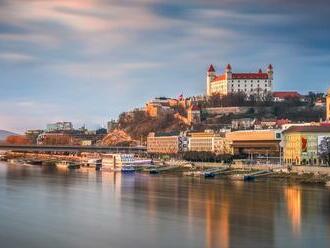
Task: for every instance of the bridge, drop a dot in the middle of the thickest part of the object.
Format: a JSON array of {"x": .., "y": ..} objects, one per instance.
[{"x": 72, "y": 149}]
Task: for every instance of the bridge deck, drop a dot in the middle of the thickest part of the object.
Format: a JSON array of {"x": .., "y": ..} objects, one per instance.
[{"x": 49, "y": 148}]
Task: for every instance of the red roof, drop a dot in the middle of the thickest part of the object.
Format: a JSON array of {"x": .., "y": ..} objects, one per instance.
[
  {"x": 286, "y": 94},
  {"x": 211, "y": 68},
  {"x": 320, "y": 129},
  {"x": 228, "y": 67},
  {"x": 249, "y": 76}
]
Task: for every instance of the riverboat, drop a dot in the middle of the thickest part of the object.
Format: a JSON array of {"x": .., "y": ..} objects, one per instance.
[{"x": 67, "y": 165}]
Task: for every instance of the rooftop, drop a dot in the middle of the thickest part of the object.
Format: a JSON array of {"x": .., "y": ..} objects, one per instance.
[
  {"x": 308, "y": 129},
  {"x": 286, "y": 94}
]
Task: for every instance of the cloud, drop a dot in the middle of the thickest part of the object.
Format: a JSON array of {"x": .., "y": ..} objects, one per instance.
[
  {"x": 17, "y": 58},
  {"x": 99, "y": 57}
]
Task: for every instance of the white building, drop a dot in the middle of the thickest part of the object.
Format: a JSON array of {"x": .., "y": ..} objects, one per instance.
[
  {"x": 59, "y": 126},
  {"x": 258, "y": 84}
]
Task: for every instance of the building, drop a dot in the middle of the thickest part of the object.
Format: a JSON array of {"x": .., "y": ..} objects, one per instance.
[
  {"x": 328, "y": 105},
  {"x": 112, "y": 125},
  {"x": 194, "y": 115},
  {"x": 208, "y": 141},
  {"x": 166, "y": 143},
  {"x": 280, "y": 96},
  {"x": 59, "y": 126},
  {"x": 243, "y": 123},
  {"x": 301, "y": 144},
  {"x": 258, "y": 83},
  {"x": 32, "y": 135},
  {"x": 320, "y": 103},
  {"x": 256, "y": 142},
  {"x": 159, "y": 107},
  {"x": 86, "y": 142}
]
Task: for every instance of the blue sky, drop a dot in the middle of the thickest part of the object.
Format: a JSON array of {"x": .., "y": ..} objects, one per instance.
[{"x": 87, "y": 61}]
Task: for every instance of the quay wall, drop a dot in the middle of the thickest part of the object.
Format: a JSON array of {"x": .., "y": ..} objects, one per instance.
[{"x": 297, "y": 169}]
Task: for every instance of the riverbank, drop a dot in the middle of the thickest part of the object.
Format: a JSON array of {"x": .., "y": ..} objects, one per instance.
[{"x": 297, "y": 174}]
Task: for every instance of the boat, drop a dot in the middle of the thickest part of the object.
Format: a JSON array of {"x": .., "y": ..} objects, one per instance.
[
  {"x": 67, "y": 165},
  {"x": 115, "y": 162},
  {"x": 127, "y": 169},
  {"x": 209, "y": 175},
  {"x": 154, "y": 171},
  {"x": 94, "y": 163},
  {"x": 249, "y": 177}
]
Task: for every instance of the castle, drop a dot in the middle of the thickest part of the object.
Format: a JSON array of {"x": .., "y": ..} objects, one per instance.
[{"x": 259, "y": 84}]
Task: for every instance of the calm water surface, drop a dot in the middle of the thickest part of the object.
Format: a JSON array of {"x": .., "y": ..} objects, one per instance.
[{"x": 49, "y": 208}]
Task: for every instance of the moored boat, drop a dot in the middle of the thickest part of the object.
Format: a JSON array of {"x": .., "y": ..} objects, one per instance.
[
  {"x": 67, "y": 165},
  {"x": 127, "y": 169}
]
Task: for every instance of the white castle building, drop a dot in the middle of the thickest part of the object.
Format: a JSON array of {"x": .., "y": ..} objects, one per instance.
[{"x": 259, "y": 83}]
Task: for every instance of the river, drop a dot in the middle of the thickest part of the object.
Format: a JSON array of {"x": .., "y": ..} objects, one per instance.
[{"x": 43, "y": 207}]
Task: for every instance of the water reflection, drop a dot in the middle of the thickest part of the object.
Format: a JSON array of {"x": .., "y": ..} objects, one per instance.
[
  {"x": 116, "y": 210},
  {"x": 293, "y": 202}
]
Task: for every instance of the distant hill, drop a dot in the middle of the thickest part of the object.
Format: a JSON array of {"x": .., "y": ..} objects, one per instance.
[{"x": 4, "y": 134}]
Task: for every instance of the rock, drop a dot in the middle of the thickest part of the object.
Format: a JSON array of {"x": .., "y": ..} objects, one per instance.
[{"x": 116, "y": 137}]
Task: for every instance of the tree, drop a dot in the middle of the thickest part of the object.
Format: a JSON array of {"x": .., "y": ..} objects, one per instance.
[{"x": 324, "y": 149}]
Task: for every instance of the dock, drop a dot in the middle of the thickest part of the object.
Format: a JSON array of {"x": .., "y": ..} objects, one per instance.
[
  {"x": 163, "y": 169},
  {"x": 251, "y": 176},
  {"x": 212, "y": 172}
]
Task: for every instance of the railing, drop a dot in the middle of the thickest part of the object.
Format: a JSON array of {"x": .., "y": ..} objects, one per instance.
[{"x": 64, "y": 148}]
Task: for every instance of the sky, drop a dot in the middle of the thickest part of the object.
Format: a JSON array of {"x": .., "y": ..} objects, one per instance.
[{"x": 86, "y": 61}]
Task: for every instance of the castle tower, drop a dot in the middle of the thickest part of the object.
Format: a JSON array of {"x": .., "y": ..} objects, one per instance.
[
  {"x": 209, "y": 78},
  {"x": 228, "y": 72},
  {"x": 270, "y": 72},
  {"x": 328, "y": 105}
]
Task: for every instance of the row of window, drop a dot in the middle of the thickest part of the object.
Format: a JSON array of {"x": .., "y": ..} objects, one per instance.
[
  {"x": 245, "y": 81},
  {"x": 258, "y": 90},
  {"x": 246, "y": 86}
]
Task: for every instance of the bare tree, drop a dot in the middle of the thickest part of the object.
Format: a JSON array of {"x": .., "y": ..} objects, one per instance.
[{"x": 324, "y": 150}]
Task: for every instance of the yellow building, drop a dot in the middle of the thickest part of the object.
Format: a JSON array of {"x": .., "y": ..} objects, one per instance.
[
  {"x": 208, "y": 141},
  {"x": 164, "y": 143},
  {"x": 301, "y": 144},
  {"x": 256, "y": 142}
]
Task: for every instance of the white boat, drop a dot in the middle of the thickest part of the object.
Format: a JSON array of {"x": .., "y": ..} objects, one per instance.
[
  {"x": 67, "y": 165},
  {"x": 127, "y": 169},
  {"x": 115, "y": 162}
]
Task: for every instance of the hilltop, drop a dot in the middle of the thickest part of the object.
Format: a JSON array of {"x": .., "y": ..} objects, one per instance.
[{"x": 4, "y": 134}]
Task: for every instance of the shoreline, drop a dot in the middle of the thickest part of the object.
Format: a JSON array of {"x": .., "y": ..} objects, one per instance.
[{"x": 313, "y": 175}]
